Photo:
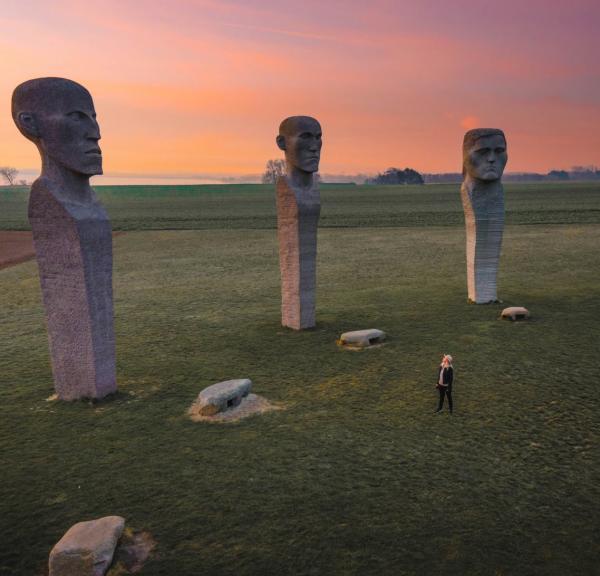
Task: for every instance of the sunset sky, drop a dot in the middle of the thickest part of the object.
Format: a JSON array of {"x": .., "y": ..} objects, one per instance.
[{"x": 198, "y": 87}]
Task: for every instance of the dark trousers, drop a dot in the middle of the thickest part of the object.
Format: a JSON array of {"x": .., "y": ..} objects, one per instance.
[{"x": 445, "y": 391}]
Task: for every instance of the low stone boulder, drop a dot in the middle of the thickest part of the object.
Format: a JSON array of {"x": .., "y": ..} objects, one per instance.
[
  {"x": 221, "y": 397},
  {"x": 362, "y": 338},
  {"x": 515, "y": 313},
  {"x": 87, "y": 548}
]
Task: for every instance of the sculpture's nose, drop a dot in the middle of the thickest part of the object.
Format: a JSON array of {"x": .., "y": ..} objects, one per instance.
[
  {"x": 315, "y": 143},
  {"x": 93, "y": 132}
]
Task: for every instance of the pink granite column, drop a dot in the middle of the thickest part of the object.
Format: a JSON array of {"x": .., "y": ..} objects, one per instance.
[
  {"x": 297, "y": 222},
  {"x": 71, "y": 233}
]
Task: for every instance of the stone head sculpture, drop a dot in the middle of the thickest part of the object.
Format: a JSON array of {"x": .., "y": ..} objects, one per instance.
[
  {"x": 71, "y": 233},
  {"x": 58, "y": 116},
  {"x": 482, "y": 195},
  {"x": 484, "y": 154},
  {"x": 300, "y": 138}
]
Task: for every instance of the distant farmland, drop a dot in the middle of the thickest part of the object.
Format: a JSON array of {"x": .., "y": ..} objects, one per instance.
[{"x": 252, "y": 206}]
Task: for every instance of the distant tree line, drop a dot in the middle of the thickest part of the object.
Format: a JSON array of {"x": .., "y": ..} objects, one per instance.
[
  {"x": 276, "y": 167},
  {"x": 397, "y": 176},
  {"x": 576, "y": 173}
]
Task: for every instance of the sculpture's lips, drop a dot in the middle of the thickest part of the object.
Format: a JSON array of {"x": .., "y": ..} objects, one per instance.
[{"x": 94, "y": 151}]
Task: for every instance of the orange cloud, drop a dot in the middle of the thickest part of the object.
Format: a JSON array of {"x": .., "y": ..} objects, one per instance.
[
  {"x": 201, "y": 85},
  {"x": 470, "y": 122}
]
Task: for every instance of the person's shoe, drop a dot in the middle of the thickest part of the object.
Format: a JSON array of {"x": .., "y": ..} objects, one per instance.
[{"x": 438, "y": 412}]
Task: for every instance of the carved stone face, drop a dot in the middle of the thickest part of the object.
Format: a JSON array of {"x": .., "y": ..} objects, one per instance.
[
  {"x": 486, "y": 158},
  {"x": 300, "y": 138},
  {"x": 61, "y": 120}
]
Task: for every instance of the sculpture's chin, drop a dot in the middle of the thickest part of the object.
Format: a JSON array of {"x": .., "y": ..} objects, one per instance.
[
  {"x": 91, "y": 170},
  {"x": 88, "y": 167},
  {"x": 487, "y": 177},
  {"x": 310, "y": 166},
  {"x": 305, "y": 169}
]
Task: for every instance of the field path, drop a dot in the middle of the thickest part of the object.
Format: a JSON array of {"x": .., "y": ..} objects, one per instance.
[{"x": 17, "y": 247}]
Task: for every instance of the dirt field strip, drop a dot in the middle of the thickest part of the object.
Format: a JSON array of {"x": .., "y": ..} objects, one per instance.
[{"x": 17, "y": 247}]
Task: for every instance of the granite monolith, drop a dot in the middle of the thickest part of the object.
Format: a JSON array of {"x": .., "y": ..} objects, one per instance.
[
  {"x": 72, "y": 235},
  {"x": 484, "y": 159},
  {"x": 298, "y": 210}
]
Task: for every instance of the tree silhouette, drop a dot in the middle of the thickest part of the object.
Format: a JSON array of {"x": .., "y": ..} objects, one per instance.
[
  {"x": 273, "y": 170},
  {"x": 9, "y": 174}
]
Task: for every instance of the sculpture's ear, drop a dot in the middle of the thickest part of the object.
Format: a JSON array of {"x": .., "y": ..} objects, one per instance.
[
  {"x": 280, "y": 142},
  {"x": 27, "y": 124}
]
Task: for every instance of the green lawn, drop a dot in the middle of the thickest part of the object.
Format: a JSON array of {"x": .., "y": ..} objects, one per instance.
[
  {"x": 357, "y": 476},
  {"x": 252, "y": 206}
]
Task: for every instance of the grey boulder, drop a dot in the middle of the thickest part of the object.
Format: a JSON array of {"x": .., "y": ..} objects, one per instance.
[
  {"x": 515, "y": 313},
  {"x": 362, "y": 338},
  {"x": 87, "y": 548},
  {"x": 221, "y": 396}
]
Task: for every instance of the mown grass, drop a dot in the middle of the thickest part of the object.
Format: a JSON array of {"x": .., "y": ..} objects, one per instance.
[
  {"x": 356, "y": 476},
  {"x": 252, "y": 206}
]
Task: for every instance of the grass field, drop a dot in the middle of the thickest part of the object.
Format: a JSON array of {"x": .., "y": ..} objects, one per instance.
[
  {"x": 252, "y": 206},
  {"x": 356, "y": 476}
]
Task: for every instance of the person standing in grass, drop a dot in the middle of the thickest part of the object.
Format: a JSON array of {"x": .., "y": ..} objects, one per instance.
[{"x": 444, "y": 382}]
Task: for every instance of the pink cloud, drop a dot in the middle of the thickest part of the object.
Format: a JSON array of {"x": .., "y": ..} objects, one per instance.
[{"x": 470, "y": 122}]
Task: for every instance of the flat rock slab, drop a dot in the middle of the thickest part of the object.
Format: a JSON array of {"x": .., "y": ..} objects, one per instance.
[
  {"x": 221, "y": 397},
  {"x": 515, "y": 313},
  {"x": 362, "y": 338},
  {"x": 251, "y": 404},
  {"x": 87, "y": 548}
]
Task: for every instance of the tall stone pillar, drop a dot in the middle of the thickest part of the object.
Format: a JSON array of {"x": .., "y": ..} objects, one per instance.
[
  {"x": 482, "y": 194},
  {"x": 298, "y": 210},
  {"x": 297, "y": 222},
  {"x": 72, "y": 235}
]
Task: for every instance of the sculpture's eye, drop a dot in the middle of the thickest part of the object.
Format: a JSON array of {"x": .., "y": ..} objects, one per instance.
[
  {"x": 500, "y": 150},
  {"x": 76, "y": 115}
]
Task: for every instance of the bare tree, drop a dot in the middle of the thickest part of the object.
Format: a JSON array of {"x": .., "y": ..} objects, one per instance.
[
  {"x": 9, "y": 174},
  {"x": 273, "y": 170}
]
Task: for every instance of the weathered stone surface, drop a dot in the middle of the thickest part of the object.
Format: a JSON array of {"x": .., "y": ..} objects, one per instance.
[
  {"x": 482, "y": 194},
  {"x": 87, "y": 548},
  {"x": 362, "y": 338},
  {"x": 248, "y": 406},
  {"x": 297, "y": 222},
  {"x": 72, "y": 235},
  {"x": 298, "y": 210},
  {"x": 220, "y": 397},
  {"x": 515, "y": 313}
]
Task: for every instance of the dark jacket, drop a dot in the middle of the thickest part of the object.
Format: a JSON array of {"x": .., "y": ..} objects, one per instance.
[{"x": 448, "y": 376}]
